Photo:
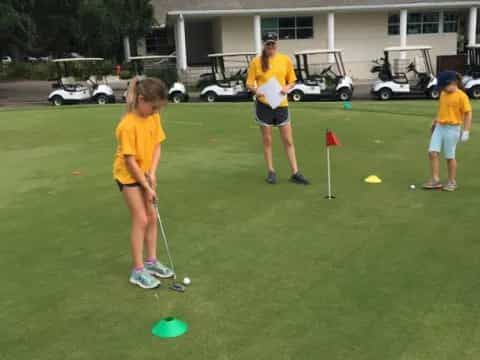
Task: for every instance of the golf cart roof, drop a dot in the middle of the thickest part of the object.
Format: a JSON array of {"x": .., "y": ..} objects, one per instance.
[
  {"x": 77, "y": 59},
  {"x": 407, "y": 48},
  {"x": 232, "y": 54},
  {"x": 318, "y": 51},
  {"x": 475, "y": 46},
  {"x": 152, "y": 57}
]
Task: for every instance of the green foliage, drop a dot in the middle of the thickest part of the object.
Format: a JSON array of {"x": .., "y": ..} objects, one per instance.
[
  {"x": 28, "y": 71},
  {"x": 88, "y": 27}
]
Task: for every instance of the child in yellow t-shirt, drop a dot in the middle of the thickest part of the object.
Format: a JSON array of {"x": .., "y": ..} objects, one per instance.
[
  {"x": 139, "y": 136},
  {"x": 454, "y": 111}
]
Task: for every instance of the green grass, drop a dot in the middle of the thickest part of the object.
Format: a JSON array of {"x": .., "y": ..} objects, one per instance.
[{"x": 278, "y": 272}]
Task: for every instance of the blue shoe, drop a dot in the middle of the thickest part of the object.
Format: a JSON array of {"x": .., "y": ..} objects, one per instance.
[
  {"x": 144, "y": 279},
  {"x": 159, "y": 270}
]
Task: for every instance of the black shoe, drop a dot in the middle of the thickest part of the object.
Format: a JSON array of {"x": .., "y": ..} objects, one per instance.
[
  {"x": 271, "y": 177},
  {"x": 298, "y": 178}
]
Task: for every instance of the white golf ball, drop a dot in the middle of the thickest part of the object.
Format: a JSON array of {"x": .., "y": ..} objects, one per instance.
[
  {"x": 187, "y": 281},
  {"x": 412, "y": 187}
]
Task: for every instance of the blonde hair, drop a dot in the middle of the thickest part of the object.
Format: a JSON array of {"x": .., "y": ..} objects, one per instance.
[{"x": 152, "y": 90}]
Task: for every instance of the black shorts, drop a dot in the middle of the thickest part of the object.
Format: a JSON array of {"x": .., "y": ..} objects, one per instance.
[
  {"x": 266, "y": 116},
  {"x": 121, "y": 186}
]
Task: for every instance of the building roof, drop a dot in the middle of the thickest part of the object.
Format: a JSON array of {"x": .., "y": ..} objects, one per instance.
[{"x": 225, "y": 7}]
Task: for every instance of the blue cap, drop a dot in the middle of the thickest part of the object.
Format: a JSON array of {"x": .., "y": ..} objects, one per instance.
[{"x": 445, "y": 78}]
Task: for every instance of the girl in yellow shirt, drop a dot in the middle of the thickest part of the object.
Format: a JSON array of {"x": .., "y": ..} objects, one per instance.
[
  {"x": 139, "y": 136},
  {"x": 454, "y": 111},
  {"x": 274, "y": 65}
]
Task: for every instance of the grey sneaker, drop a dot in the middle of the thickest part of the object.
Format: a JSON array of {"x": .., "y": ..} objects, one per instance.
[
  {"x": 298, "y": 178},
  {"x": 451, "y": 186},
  {"x": 143, "y": 279},
  {"x": 159, "y": 270},
  {"x": 271, "y": 177}
]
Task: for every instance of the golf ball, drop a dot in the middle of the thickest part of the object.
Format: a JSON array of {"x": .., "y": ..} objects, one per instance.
[
  {"x": 187, "y": 281},
  {"x": 412, "y": 187}
]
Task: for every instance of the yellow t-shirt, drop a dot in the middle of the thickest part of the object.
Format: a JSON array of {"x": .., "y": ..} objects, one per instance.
[
  {"x": 136, "y": 136},
  {"x": 452, "y": 108},
  {"x": 281, "y": 68}
]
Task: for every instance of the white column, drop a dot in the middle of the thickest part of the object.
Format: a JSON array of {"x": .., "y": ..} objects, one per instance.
[
  {"x": 472, "y": 26},
  {"x": 180, "y": 45},
  {"x": 331, "y": 35},
  {"x": 441, "y": 15},
  {"x": 257, "y": 33},
  {"x": 126, "y": 47},
  {"x": 403, "y": 31}
]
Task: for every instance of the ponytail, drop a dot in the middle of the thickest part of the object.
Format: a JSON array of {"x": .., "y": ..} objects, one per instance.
[
  {"x": 131, "y": 98},
  {"x": 152, "y": 90},
  {"x": 265, "y": 63}
]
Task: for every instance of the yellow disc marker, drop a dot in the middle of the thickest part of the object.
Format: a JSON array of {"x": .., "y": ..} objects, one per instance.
[{"x": 373, "y": 179}]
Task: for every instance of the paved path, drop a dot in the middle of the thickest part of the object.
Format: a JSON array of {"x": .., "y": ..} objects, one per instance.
[{"x": 18, "y": 93}]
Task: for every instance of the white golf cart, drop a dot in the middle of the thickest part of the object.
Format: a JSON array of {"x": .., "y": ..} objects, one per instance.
[
  {"x": 332, "y": 82},
  {"x": 406, "y": 80},
  {"x": 219, "y": 85},
  {"x": 471, "y": 80},
  {"x": 177, "y": 93},
  {"x": 68, "y": 91}
]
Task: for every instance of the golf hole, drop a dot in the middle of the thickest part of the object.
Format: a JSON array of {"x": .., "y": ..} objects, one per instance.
[{"x": 169, "y": 319}]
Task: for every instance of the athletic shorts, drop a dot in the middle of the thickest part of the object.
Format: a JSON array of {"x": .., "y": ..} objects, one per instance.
[
  {"x": 266, "y": 116},
  {"x": 446, "y": 137},
  {"x": 121, "y": 186}
]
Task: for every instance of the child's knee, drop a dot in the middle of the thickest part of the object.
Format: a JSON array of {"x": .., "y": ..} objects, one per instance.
[
  {"x": 433, "y": 155},
  {"x": 151, "y": 218},
  {"x": 141, "y": 220}
]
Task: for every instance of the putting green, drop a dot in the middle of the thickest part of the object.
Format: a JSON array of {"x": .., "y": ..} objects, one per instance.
[{"x": 382, "y": 272}]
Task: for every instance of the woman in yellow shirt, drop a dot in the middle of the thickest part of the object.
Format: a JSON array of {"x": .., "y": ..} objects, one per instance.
[
  {"x": 139, "y": 135},
  {"x": 274, "y": 65},
  {"x": 454, "y": 111}
]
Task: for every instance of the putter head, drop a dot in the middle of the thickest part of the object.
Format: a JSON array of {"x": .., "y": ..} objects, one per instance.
[{"x": 177, "y": 287}]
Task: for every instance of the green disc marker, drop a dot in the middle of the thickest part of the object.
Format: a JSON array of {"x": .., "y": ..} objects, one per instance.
[
  {"x": 347, "y": 105},
  {"x": 169, "y": 328}
]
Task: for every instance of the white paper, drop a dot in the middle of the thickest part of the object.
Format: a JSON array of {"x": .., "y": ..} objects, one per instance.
[{"x": 272, "y": 90}]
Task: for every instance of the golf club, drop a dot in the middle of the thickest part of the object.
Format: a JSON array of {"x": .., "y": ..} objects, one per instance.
[{"x": 174, "y": 286}]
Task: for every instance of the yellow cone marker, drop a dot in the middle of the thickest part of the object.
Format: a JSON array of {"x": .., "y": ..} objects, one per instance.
[{"x": 373, "y": 179}]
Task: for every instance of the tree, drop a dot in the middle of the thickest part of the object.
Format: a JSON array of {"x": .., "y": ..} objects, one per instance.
[{"x": 16, "y": 26}]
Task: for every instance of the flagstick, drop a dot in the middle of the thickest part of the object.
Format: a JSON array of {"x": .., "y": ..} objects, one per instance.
[{"x": 329, "y": 196}]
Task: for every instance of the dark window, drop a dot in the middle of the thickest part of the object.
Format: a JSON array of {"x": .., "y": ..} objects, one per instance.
[
  {"x": 394, "y": 24},
  {"x": 450, "y": 22},
  {"x": 289, "y": 28},
  {"x": 417, "y": 23}
]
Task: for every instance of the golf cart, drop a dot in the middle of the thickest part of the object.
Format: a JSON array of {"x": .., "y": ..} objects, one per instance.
[
  {"x": 68, "y": 91},
  {"x": 177, "y": 92},
  {"x": 471, "y": 80},
  {"x": 398, "y": 82},
  {"x": 329, "y": 83},
  {"x": 219, "y": 85}
]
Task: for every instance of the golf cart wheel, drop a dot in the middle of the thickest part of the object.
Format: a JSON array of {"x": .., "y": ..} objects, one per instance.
[
  {"x": 57, "y": 100},
  {"x": 434, "y": 93},
  {"x": 296, "y": 96},
  {"x": 101, "y": 99},
  {"x": 385, "y": 94},
  {"x": 210, "y": 97},
  {"x": 177, "y": 97},
  {"x": 475, "y": 92},
  {"x": 344, "y": 94}
]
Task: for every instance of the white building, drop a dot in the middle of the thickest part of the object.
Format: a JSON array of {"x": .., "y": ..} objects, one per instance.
[{"x": 362, "y": 28}]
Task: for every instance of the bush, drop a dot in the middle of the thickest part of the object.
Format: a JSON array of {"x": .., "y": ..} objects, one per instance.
[
  {"x": 126, "y": 74},
  {"x": 28, "y": 71}
]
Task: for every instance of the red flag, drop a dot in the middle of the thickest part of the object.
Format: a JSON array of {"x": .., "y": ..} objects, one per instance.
[{"x": 331, "y": 139}]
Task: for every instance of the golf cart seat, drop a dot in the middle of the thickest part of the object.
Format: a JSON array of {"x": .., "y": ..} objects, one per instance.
[{"x": 400, "y": 78}]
